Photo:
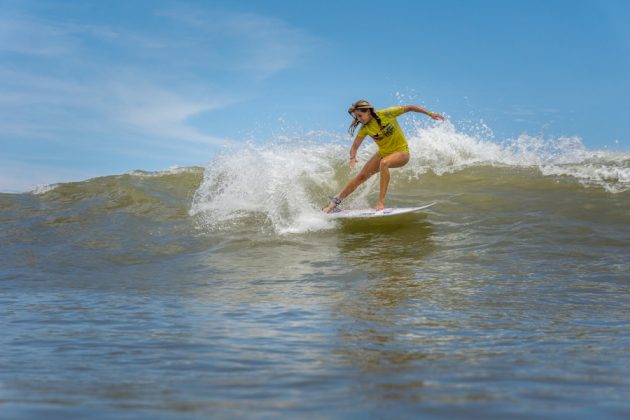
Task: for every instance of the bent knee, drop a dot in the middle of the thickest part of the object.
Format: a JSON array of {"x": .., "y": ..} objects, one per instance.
[{"x": 394, "y": 161}]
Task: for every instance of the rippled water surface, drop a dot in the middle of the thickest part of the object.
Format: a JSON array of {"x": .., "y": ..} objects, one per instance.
[{"x": 152, "y": 295}]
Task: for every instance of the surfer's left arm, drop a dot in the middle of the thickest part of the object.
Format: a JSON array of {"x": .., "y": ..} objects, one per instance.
[{"x": 416, "y": 108}]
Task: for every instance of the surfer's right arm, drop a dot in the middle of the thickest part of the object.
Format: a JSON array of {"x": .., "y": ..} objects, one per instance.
[{"x": 353, "y": 150}]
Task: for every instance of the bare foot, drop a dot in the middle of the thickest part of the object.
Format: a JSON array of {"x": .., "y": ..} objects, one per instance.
[{"x": 379, "y": 205}]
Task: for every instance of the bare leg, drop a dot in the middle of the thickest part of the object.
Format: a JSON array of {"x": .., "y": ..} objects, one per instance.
[
  {"x": 369, "y": 169},
  {"x": 395, "y": 160}
]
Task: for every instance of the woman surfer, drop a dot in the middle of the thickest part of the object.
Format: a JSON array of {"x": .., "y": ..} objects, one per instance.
[{"x": 393, "y": 151}]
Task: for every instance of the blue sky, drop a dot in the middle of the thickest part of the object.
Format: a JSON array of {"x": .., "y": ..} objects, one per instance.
[{"x": 93, "y": 88}]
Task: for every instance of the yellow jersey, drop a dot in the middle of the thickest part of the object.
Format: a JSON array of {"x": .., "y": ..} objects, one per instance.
[{"x": 389, "y": 137}]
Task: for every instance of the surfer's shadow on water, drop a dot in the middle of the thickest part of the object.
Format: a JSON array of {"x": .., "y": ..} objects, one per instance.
[
  {"x": 389, "y": 257},
  {"x": 386, "y": 248}
]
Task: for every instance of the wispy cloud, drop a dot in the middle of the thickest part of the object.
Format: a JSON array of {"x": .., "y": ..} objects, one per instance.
[
  {"x": 65, "y": 80},
  {"x": 259, "y": 46},
  {"x": 164, "y": 113},
  {"x": 32, "y": 37},
  {"x": 69, "y": 74}
]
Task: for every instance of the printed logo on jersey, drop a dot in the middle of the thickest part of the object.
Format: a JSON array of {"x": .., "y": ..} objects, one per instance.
[{"x": 387, "y": 130}]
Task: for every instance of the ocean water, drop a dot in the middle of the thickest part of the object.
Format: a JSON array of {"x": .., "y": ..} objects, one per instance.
[{"x": 222, "y": 292}]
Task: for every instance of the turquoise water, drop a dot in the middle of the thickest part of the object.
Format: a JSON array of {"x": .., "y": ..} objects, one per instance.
[{"x": 219, "y": 292}]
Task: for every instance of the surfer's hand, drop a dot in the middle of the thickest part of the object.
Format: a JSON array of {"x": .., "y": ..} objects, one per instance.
[
  {"x": 435, "y": 116},
  {"x": 353, "y": 161}
]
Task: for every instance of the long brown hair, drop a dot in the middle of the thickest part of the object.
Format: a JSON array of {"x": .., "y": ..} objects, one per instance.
[{"x": 362, "y": 105}]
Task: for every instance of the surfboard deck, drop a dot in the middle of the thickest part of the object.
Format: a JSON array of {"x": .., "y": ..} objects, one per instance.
[{"x": 371, "y": 213}]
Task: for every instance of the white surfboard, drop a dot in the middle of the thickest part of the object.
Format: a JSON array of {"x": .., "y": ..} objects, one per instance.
[{"x": 371, "y": 213}]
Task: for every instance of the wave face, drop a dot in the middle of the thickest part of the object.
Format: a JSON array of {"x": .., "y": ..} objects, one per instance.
[
  {"x": 285, "y": 183},
  {"x": 279, "y": 187}
]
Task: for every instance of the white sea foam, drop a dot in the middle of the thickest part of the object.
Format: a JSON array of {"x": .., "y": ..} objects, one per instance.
[
  {"x": 43, "y": 188},
  {"x": 272, "y": 180},
  {"x": 443, "y": 149},
  {"x": 172, "y": 170}
]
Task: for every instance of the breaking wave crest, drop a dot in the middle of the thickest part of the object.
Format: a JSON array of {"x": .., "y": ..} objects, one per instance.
[{"x": 285, "y": 183}]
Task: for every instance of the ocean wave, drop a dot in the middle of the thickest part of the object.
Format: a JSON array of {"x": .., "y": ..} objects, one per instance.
[
  {"x": 281, "y": 186},
  {"x": 443, "y": 149},
  {"x": 136, "y": 173},
  {"x": 161, "y": 196},
  {"x": 287, "y": 182}
]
